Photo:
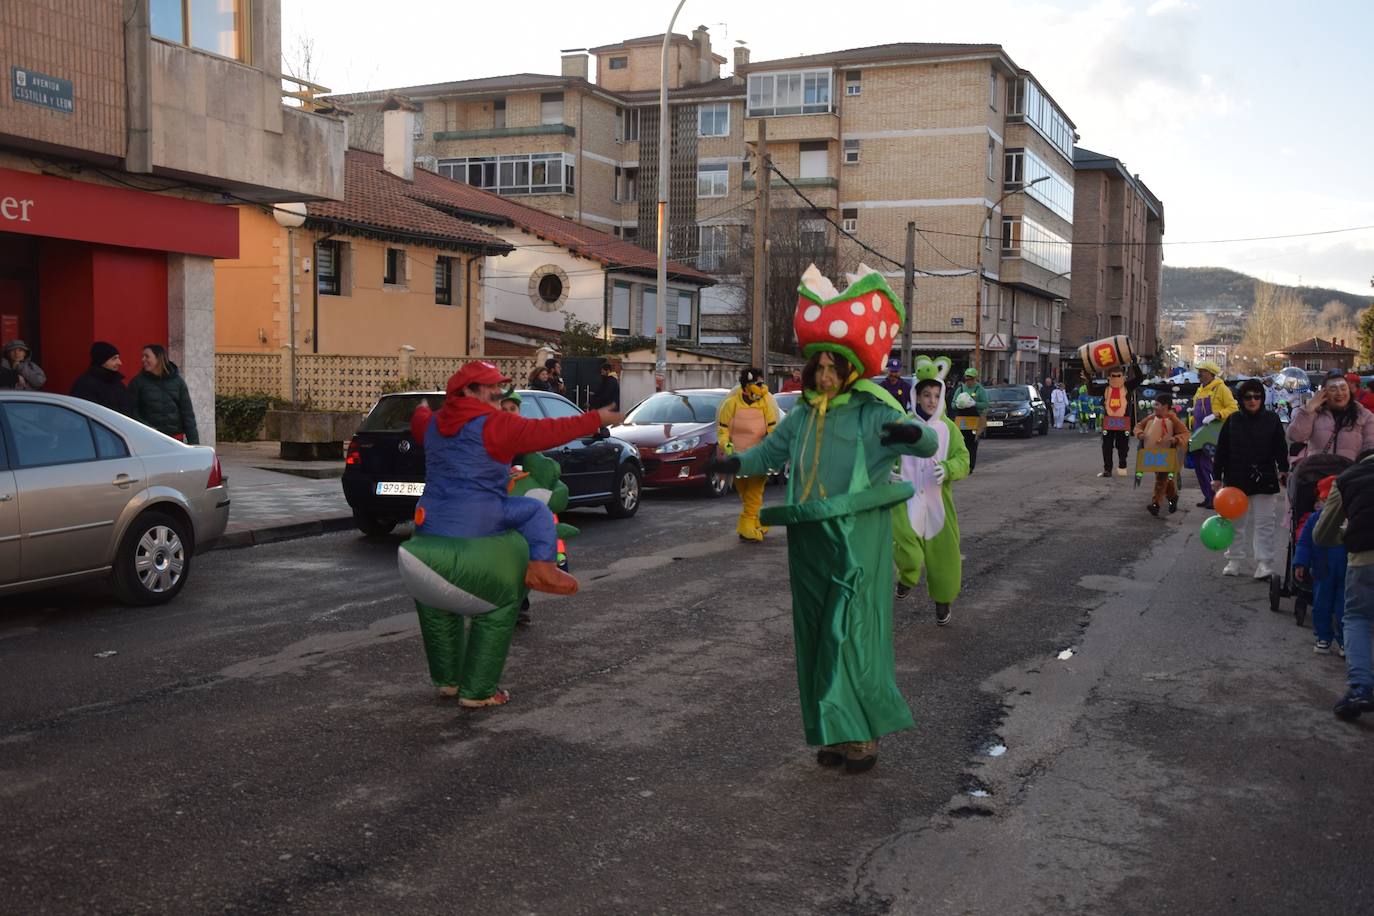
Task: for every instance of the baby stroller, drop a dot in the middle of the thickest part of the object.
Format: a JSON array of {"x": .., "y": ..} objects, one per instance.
[{"x": 1302, "y": 500}]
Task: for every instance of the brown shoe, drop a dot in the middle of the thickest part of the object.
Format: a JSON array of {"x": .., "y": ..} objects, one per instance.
[
  {"x": 832, "y": 755},
  {"x": 860, "y": 756},
  {"x": 545, "y": 576}
]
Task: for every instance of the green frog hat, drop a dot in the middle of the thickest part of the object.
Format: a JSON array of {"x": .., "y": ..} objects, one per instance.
[{"x": 928, "y": 369}]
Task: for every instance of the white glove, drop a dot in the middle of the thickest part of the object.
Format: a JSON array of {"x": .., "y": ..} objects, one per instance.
[
  {"x": 1208, "y": 419},
  {"x": 963, "y": 400},
  {"x": 939, "y": 473}
]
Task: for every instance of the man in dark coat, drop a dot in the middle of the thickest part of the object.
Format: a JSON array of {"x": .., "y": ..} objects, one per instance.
[
  {"x": 1252, "y": 456},
  {"x": 608, "y": 392},
  {"x": 103, "y": 383},
  {"x": 1351, "y": 503}
]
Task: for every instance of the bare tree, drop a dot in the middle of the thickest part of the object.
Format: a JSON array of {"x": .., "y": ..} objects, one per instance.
[
  {"x": 1278, "y": 319},
  {"x": 796, "y": 240},
  {"x": 1335, "y": 322}
]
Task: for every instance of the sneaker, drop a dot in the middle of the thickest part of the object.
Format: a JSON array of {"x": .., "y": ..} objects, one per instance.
[
  {"x": 1262, "y": 571},
  {"x": 1356, "y": 702},
  {"x": 1105, "y": 474},
  {"x": 1322, "y": 647},
  {"x": 1173, "y": 505},
  {"x": 1122, "y": 472},
  {"x": 1340, "y": 650},
  {"x": 1231, "y": 569},
  {"x": 1204, "y": 505},
  {"x": 903, "y": 590},
  {"x": 1154, "y": 509},
  {"x": 942, "y": 614}
]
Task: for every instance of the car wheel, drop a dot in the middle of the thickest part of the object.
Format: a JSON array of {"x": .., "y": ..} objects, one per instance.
[
  {"x": 717, "y": 485},
  {"x": 372, "y": 525},
  {"x": 628, "y": 484},
  {"x": 1045, "y": 426},
  {"x": 153, "y": 560},
  {"x": 1029, "y": 429}
]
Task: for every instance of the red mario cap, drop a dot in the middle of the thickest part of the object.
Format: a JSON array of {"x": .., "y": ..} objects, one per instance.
[
  {"x": 1324, "y": 486},
  {"x": 477, "y": 372}
]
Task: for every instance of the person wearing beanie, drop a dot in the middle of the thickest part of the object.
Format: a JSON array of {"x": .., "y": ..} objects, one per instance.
[
  {"x": 161, "y": 399},
  {"x": 103, "y": 383},
  {"x": 1252, "y": 456},
  {"x": 747, "y": 415},
  {"x": 17, "y": 358}
]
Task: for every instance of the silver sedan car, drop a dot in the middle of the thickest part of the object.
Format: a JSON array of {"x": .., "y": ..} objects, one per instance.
[{"x": 86, "y": 492}]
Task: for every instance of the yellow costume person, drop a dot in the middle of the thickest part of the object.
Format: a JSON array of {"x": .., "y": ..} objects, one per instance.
[{"x": 746, "y": 416}]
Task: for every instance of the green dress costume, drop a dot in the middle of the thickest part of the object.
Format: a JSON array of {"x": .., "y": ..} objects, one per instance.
[
  {"x": 839, "y": 518},
  {"x": 926, "y": 528}
]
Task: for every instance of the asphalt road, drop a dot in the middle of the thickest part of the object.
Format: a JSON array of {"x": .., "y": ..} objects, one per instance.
[{"x": 270, "y": 742}]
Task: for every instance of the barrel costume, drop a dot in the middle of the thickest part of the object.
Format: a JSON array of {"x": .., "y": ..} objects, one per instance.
[
  {"x": 838, "y": 512},
  {"x": 747, "y": 415},
  {"x": 1114, "y": 357},
  {"x": 926, "y": 528}
]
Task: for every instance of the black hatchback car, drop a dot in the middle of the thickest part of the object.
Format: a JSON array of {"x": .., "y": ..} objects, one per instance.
[
  {"x": 384, "y": 471},
  {"x": 1017, "y": 409}
]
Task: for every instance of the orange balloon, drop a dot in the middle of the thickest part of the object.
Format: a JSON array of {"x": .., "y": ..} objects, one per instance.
[{"x": 1231, "y": 503}]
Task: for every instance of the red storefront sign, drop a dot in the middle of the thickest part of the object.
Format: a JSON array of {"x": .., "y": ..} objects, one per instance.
[{"x": 62, "y": 208}]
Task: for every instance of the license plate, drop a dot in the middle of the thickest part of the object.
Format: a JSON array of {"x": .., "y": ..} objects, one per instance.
[
  {"x": 994, "y": 423},
  {"x": 400, "y": 488}
]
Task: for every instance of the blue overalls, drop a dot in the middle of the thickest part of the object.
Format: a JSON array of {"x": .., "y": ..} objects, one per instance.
[{"x": 466, "y": 493}]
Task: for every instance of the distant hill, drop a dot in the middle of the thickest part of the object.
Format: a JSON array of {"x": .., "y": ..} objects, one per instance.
[{"x": 1219, "y": 289}]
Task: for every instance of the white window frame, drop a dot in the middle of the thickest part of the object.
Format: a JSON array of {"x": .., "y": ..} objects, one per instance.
[
  {"x": 500, "y": 173},
  {"x": 630, "y": 130},
  {"x": 807, "y": 160},
  {"x": 713, "y": 247},
  {"x": 851, "y": 152},
  {"x": 715, "y": 108},
  {"x": 713, "y": 179},
  {"x": 548, "y": 113},
  {"x": 619, "y": 286},
  {"x": 691, "y": 315},
  {"x": 849, "y": 223},
  {"x": 764, "y": 100}
]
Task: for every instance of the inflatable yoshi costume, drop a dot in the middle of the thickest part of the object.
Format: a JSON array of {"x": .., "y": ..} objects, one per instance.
[
  {"x": 926, "y": 530},
  {"x": 842, "y": 438}
]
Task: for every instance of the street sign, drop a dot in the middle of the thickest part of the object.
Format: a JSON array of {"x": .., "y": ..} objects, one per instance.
[
  {"x": 41, "y": 90},
  {"x": 994, "y": 342},
  {"x": 956, "y": 322},
  {"x": 1028, "y": 343}
]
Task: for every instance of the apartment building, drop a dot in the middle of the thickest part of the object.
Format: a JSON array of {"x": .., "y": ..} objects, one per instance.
[
  {"x": 126, "y": 131},
  {"x": 1118, "y": 258}
]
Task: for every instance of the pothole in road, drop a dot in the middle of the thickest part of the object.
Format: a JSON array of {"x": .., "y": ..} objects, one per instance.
[{"x": 970, "y": 811}]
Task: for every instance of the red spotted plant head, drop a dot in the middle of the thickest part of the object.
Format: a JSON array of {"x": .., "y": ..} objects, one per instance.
[{"x": 861, "y": 324}]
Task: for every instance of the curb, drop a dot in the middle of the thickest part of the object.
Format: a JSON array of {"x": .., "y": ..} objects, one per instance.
[{"x": 287, "y": 532}]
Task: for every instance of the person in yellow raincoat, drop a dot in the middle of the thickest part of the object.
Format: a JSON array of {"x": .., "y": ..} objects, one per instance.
[{"x": 745, "y": 417}]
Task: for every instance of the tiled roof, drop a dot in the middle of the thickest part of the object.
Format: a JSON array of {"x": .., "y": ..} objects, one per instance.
[
  {"x": 377, "y": 201},
  {"x": 712, "y": 89},
  {"x": 1317, "y": 345},
  {"x": 642, "y": 40},
  {"x": 526, "y": 81},
  {"x": 907, "y": 50}
]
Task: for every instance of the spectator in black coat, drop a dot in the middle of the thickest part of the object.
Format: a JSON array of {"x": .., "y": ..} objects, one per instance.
[
  {"x": 103, "y": 383},
  {"x": 1252, "y": 456},
  {"x": 608, "y": 392}
]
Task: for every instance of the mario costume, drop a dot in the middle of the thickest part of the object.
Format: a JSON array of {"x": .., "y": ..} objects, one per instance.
[
  {"x": 747, "y": 415},
  {"x": 926, "y": 528},
  {"x": 842, "y": 440},
  {"x": 477, "y": 550}
]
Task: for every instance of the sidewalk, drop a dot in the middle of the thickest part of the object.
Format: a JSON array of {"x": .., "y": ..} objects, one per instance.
[{"x": 272, "y": 500}]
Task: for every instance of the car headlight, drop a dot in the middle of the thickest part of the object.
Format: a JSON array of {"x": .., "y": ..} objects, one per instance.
[
  {"x": 679, "y": 445},
  {"x": 1020, "y": 412}
]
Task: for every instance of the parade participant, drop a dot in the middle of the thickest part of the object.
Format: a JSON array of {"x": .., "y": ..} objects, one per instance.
[
  {"x": 1351, "y": 504},
  {"x": 895, "y": 385},
  {"x": 1118, "y": 415},
  {"x": 1059, "y": 402},
  {"x": 747, "y": 415},
  {"x": 842, "y": 438},
  {"x": 1163, "y": 429},
  {"x": 1212, "y": 404},
  {"x": 1252, "y": 456},
  {"x": 1324, "y": 569},
  {"x": 926, "y": 529},
  {"x": 971, "y": 400}
]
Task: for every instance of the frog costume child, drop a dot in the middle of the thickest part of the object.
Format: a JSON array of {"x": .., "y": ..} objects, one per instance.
[
  {"x": 926, "y": 529},
  {"x": 842, "y": 438}
]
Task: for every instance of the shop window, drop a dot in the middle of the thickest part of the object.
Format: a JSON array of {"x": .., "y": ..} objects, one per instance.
[
  {"x": 443, "y": 280},
  {"x": 217, "y": 26},
  {"x": 395, "y": 274}
]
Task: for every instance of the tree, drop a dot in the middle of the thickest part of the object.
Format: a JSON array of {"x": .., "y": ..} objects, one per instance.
[
  {"x": 581, "y": 338},
  {"x": 796, "y": 240},
  {"x": 1366, "y": 336},
  {"x": 1278, "y": 319}
]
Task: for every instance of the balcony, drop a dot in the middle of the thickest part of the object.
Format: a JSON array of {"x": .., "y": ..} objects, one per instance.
[
  {"x": 491, "y": 133},
  {"x": 783, "y": 128},
  {"x": 823, "y": 192},
  {"x": 1023, "y": 274}
]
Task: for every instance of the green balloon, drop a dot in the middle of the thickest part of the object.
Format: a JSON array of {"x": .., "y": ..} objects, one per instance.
[{"x": 1217, "y": 533}]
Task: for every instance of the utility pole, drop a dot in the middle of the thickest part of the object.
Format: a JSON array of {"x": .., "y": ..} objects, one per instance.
[
  {"x": 909, "y": 295},
  {"x": 664, "y": 142},
  {"x": 763, "y": 172}
]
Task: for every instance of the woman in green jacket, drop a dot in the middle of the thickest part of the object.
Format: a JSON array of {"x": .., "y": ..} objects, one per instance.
[
  {"x": 160, "y": 397},
  {"x": 842, "y": 440}
]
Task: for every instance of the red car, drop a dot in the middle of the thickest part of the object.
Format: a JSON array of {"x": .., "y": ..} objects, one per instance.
[{"x": 675, "y": 432}]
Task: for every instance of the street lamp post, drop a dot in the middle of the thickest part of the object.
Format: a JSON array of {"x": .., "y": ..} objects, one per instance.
[
  {"x": 978, "y": 273},
  {"x": 291, "y": 217},
  {"x": 664, "y": 139}
]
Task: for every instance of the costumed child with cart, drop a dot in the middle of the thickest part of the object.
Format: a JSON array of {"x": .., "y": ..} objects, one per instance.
[{"x": 1162, "y": 437}]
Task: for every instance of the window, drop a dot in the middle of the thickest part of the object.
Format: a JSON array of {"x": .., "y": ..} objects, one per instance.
[
  {"x": 684, "y": 315},
  {"x": 794, "y": 93},
  {"x": 108, "y": 443},
  {"x": 631, "y": 132},
  {"x": 418, "y": 122},
  {"x": 327, "y": 263},
  {"x": 815, "y": 160},
  {"x": 1023, "y": 166},
  {"x": 648, "y": 310},
  {"x": 395, "y": 267},
  {"x": 714, "y": 120},
  {"x": 217, "y": 26},
  {"x": 620, "y": 308},
  {"x": 713, "y": 180},
  {"x": 712, "y": 247},
  {"x": 814, "y": 230},
  {"x": 992, "y": 90},
  {"x": 1026, "y": 100},
  {"x": 551, "y": 108},
  {"x": 1312, "y": 365},
  {"x": 46, "y": 434},
  {"x": 853, "y": 84},
  {"x": 619, "y": 63},
  {"x": 987, "y": 234},
  {"x": 443, "y": 280},
  {"x": 498, "y": 114},
  {"x": 626, "y": 185},
  {"x": 551, "y": 287},
  {"x": 992, "y": 158},
  {"x": 629, "y": 233},
  {"x": 851, "y": 152},
  {"x": 1025, "y": 238},
  {"x": 849, "y": 219},
  {"x": 534, "y": 173},
  {"x": 557, "y": 407}
]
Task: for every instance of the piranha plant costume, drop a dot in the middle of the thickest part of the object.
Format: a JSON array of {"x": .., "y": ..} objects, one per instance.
[
  {"x": 477, "y": 549},
  {"x": 926, "y": 529},
  {"x": 745, "y": 417},
  {"x": 842, "y": 438}
]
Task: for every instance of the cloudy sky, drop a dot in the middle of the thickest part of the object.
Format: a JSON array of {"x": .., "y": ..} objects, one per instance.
[{"x": 1246, "y": 117}]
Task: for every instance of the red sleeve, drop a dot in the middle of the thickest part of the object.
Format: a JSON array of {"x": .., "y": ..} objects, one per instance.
[
  {"x": 509, "y": 434},
  {"x": 419, "y": 421}
]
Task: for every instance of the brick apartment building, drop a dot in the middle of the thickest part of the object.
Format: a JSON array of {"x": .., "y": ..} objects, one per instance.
[
  {"x": 123, "y": 136},
  {"x": 1118, "y": 260},
  {"x": 946, "y": 135}
]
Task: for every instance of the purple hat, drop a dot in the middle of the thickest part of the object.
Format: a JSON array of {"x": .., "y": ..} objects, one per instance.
[{"x": 894, "y": 365}]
